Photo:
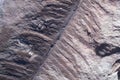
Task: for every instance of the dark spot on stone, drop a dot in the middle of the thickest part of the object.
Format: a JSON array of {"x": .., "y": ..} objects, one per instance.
[
  {"x": 118, "y": 75},
  {"x": 21, "y": 62},
  {"x": 106, "y": 49}
]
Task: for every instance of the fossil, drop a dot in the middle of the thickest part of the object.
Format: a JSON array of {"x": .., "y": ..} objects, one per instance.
[{"x": 25, "y": 44}]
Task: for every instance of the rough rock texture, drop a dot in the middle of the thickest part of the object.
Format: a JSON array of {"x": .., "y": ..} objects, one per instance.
[
  {"x": 29, "y": 29},
  {"x": 79, "y": 38},
  {"x": 96, "y": 22}
]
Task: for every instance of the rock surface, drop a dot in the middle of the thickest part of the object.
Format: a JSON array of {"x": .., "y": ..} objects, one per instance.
[
  {"x": 29, "y": 29},
  {"x": 85, "y": 47},
  {"x": 74, "y": 56}
]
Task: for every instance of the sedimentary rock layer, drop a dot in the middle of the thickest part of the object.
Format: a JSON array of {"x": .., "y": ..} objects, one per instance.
[
  {"x": 30, "y": 28},
  {"x": 89, "y": 48}
]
